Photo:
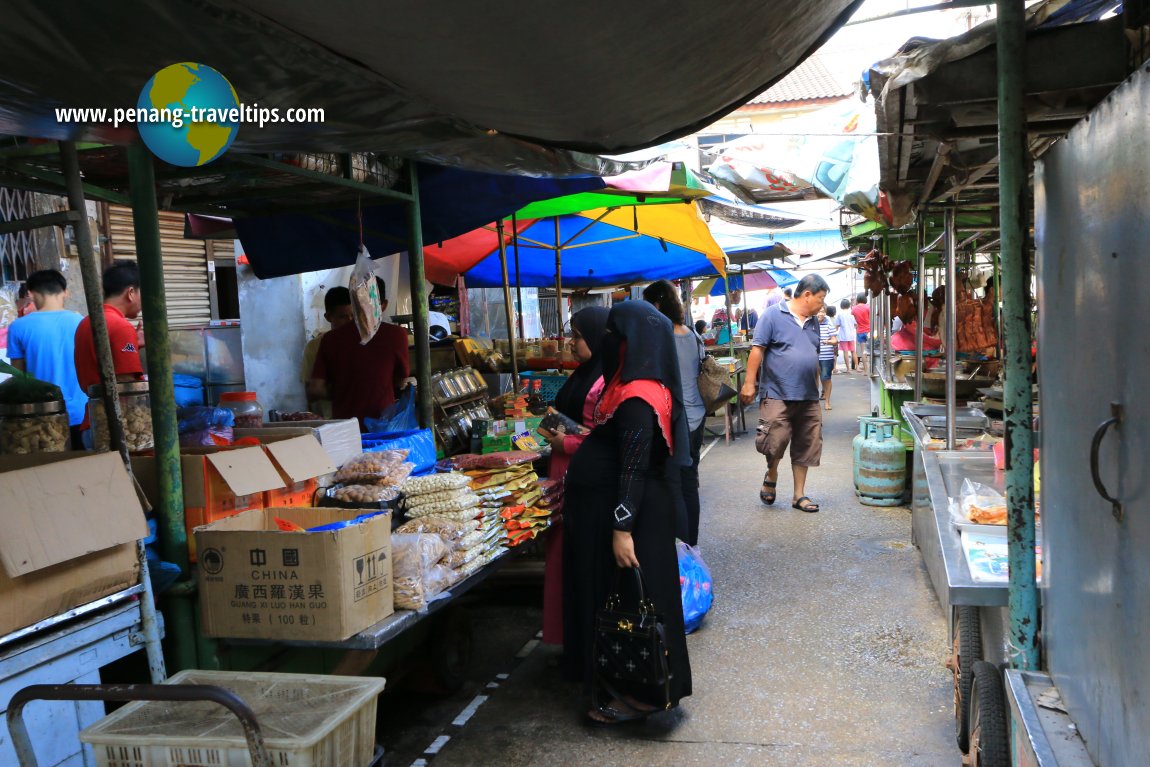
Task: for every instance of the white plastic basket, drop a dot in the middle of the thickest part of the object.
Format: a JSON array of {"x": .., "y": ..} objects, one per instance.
[{"x": 307, "y": 720}]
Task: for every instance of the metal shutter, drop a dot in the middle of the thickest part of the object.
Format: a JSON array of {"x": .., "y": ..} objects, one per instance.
[{"x": 185, "y": 264}]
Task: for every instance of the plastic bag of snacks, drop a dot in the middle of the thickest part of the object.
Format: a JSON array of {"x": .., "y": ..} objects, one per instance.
[
  {"x": 366, "y": 300},
  {"x": 433, "y": 483},
  {"x": 461, "y": 503},
  {"x": 453, "y": 532},
  {"x": 416, "y": 571},
  {"x": 364, "y": 493},
  {"x": 469, "y": 461},
  {"x": 386, "y": 467}
]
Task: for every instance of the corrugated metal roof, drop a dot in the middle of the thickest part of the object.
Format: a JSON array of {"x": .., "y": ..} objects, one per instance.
[{"x": 810, "y": 81}]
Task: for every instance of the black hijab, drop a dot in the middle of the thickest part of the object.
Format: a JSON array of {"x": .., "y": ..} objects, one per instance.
[
  {"x": 592, "y": 325},
  {"x": 650, "y": 354}
]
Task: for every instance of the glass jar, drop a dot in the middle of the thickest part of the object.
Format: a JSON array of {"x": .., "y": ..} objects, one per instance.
[
  {"x": 438, "y": 392},
  {"x": 135, "y": 409},
  {"x": 248, "y": 411},
  {"x": 451, "y": 387},
  {"x": 477, "y": 377},
  {"x": 38, "y": 427},
  {"x": 465, "y": 381}
]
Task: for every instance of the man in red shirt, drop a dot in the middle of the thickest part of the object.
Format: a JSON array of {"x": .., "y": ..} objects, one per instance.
[
  {"x": 121, "y": 284},
  {"x": 361, "y": 380},
  {"x": 861, "y": 314}
]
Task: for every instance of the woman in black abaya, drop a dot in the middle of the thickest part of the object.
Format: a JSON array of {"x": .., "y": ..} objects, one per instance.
[{"x": 620, "y": 510}]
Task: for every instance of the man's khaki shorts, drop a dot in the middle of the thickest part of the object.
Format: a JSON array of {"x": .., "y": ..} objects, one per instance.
[{"x": 798, "y": 423}]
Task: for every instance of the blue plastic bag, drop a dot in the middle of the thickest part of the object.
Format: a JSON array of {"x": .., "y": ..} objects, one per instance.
[
  {"x": 399, "y": 417},
  {"x": 695, "y": 586},
  {"x": 419, "y": 444}
]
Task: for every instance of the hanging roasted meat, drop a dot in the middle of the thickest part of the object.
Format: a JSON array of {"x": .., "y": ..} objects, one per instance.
[
  {"x": 906, "y": 307},
  {"x": 901, "y": 278}
]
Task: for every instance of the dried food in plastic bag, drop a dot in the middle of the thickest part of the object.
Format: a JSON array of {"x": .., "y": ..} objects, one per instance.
[
  {"x": 414, "y": 553},
  {"x": 472, "y": 539},
  {"x": 472, "y": 461},
  {"x": 367, "y": 471},
  {"x": 462, "y": 556},
  {"x": 433, "y": 483},
  {"x": 462, "y": 503},
  {"x": 454, "y": 532},
  {"x": 366, "y": 295},
  {"x": 467, "y": 515},
  {"x": 981, "y": 504},
  {"x": 364, "y": 493},
  {"x": 442, "y": 495}
]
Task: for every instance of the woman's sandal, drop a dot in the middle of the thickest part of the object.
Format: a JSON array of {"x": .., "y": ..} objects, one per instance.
[
  {"x": 810, "y": 506},
  {"x": 615, "y": 714},
  {"x": 768, "y": 496}
]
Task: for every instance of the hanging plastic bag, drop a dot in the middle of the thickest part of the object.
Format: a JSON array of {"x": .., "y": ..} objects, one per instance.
[
  {"x": 695, "y": 586},
  {"x": 400, "y": 416},
  {"x": 366, "y": 301}
]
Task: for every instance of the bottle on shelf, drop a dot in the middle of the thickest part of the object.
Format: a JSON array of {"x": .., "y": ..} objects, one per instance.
[{"x": 535, "y": 403}]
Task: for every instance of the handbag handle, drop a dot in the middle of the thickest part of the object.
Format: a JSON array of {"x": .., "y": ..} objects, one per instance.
[{"x": 613, "y": 599}]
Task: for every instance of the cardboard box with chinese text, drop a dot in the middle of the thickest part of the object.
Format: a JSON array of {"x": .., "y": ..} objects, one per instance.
[{"x": 258, "y": 582}]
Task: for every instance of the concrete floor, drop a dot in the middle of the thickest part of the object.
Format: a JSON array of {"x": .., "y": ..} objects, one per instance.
[{"x": 825, "y": 645}]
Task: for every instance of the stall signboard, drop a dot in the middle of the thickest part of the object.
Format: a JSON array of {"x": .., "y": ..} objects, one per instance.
[
  {"x": 70, "y": 526},
  {"x": 257, "y": 581}
]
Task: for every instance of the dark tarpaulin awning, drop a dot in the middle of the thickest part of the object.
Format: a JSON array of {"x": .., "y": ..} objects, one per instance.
[
  {"x": 452, "y": 201},
  {"x": 500, "y": 86}
]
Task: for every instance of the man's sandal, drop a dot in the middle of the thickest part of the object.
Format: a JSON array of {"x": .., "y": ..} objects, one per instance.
[
  {"x": 810, "y": 506},
  {"x": 768, "y": 495}
]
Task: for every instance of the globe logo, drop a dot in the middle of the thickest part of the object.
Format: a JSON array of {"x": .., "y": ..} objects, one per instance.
[{"x": 189, "y": 114}]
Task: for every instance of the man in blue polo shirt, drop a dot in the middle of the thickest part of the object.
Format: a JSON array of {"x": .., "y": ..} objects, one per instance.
[
  {"x": 41, "y": 343},
  {"x": 786, "y": 349}
]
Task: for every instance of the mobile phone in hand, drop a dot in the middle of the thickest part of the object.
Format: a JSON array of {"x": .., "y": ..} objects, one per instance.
[{"x": 556, "y": 422}]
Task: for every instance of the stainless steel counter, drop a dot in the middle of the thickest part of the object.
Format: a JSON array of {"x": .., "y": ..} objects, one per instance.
[{"x": 938, "y": 477}]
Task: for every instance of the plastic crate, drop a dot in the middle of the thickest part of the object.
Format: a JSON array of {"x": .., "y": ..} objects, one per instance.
[
  {"x": 307, "y": 720},
  {"x": 551, "y": 385}
]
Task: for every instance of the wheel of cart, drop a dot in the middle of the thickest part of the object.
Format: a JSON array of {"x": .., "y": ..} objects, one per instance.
[
  {"x": 989, "y": 744},
  {"x": 966, "y": 650}
]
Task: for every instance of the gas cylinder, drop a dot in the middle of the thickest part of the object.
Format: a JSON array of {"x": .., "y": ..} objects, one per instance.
[
  {"x": 856, "y": 444},
  {"x": 880, "y": 464}
]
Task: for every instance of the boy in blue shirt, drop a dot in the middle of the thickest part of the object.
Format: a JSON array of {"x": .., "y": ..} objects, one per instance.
[{"x": 42, "y": 343}]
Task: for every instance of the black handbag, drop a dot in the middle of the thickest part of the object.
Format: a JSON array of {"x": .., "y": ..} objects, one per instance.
[{"x": 630, "y": 644}]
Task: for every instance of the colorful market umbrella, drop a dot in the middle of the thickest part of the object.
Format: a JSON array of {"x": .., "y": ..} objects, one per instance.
[
  {"x": 764, "y": 280},
  {"x": 595, "y": 248}
]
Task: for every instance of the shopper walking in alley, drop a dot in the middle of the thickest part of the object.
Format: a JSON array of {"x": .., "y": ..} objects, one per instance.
[
  {"x": 784, "y": 352},
  {"x": 689, "y": 347},
  {"x": 861, "y": 312},
  {"x": 828, "y": 350},
  {"x": 848, "y": 329},
  {"x": 576, "y": 400},
  {"x": 619, "y": 511}
]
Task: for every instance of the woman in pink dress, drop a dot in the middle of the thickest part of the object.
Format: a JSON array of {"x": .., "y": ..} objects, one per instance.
[{"x": 576, "y": 400}]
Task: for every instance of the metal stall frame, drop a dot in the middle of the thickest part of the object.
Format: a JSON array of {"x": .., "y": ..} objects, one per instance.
[{"x": 58, "y": 168}]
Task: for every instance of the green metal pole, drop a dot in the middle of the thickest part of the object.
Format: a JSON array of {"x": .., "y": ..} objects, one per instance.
[
  {"x": 94, "y": 297},
  {"x": 170, "y": 509},
  {"x": 507, "y": 306},
  {"x": 1016, "y": 326},
  {"x": 419, "y": 308}
]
